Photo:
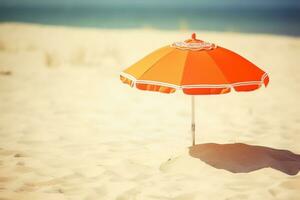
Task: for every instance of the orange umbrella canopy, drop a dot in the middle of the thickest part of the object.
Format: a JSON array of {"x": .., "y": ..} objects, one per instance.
[{"x": 196, "y": 67}]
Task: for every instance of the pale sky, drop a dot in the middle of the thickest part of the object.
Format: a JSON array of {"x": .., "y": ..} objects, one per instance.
[{"x": 213, "y": 3}]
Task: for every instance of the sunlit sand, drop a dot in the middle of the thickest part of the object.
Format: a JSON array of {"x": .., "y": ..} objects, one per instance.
[{"x": 71, "y": 130}]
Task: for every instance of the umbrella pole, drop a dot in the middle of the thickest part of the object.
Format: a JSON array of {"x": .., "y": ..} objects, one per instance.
[{"x": 193, "y": 126}]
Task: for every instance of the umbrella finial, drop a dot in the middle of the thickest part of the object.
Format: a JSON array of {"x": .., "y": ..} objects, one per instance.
[{"x": 194, "y": 36}]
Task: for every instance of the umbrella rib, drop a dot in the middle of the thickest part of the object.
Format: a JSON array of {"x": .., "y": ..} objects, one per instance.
[
  {"x": 244, "y": 83},
  {"x": 216, "y": 66},
  {"x": 184, "y": 68}
]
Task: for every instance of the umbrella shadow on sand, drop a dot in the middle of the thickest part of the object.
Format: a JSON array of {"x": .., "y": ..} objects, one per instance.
[{"x": 244, "y": 158}]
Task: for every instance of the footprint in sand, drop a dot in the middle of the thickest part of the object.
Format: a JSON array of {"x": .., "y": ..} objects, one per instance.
[
  {"x": 167, "y": 164},
  {"x": 5, "y": 72},
  {"x": 20, "y": 155},
  {"x": 55, "y": 190},
  {"x": 7, "y": 152},
  {"x": 5, "y": 179},
  {"x": 20, "y": 163}
]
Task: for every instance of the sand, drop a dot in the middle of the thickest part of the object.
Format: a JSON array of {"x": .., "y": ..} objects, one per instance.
[{"x": 71, "y": 130}]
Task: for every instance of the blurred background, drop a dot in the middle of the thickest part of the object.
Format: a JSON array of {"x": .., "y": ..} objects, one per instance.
[
  {"x": 268, "y": 16},
  {"x": 69, "y": 129}
]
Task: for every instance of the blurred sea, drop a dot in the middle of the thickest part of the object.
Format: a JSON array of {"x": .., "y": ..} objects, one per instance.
[{"x": 284, "y": 20}]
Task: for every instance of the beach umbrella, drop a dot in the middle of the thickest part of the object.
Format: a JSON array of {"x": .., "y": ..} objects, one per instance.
[{"x": 197, "y": 68}]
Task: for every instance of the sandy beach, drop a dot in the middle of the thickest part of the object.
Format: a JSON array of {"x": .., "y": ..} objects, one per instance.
[{"x": 71, "y": 130}]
